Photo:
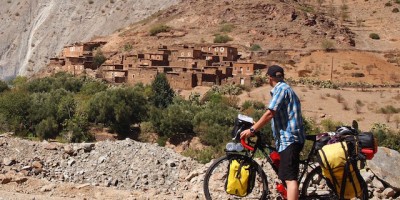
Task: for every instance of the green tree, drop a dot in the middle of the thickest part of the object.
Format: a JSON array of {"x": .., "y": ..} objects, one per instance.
[
  {"x": 163, "y": 94},
  {"x": 14, "y": 106},
  {"x": 92, "y": 87},
  {"x": 99, "y": 58},
  {"x": 76, "y": 129},
  {"x": 118, "y": 108},
  {"x": 19, "y": 82},
  {"x": 177, "y": 120},
  {"x": 214, "y": 123}
]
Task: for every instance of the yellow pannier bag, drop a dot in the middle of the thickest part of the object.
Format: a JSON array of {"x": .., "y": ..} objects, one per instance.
[
  {"x": 240, "y": 179},
  {"x": 333, "y": 163}
]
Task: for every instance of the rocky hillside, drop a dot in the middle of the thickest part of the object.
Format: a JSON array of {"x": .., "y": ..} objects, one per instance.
[
  {"x": 33, "y": 31},
  {"x": 147, "y": 170}
]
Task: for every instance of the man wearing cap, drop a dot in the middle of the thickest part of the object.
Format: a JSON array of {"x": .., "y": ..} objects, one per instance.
[{"x": 284, "y": 112}]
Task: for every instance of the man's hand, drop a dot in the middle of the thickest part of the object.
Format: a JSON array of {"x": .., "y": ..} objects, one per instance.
[{"x": 245, "y": 134}]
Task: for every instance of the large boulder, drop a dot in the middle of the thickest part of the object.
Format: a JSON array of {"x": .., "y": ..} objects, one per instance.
[{"x": 385, "y": 166}]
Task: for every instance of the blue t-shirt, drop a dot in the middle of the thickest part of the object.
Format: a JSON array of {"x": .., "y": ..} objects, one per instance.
[{"x": 287, "y": 123}]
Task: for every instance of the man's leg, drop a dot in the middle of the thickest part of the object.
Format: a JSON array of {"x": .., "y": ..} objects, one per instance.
[
  {"x": 292, "y": 190},
  {"x": 289, "y": 169}
]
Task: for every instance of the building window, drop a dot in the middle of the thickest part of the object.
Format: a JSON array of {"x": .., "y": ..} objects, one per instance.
[
  {"x": 189, "y": 54},
  {"x": 216, "y": 49},
  {"x": 222, "y": 49},
  {"x": 241, "y": 69},
  {"x": 248, "y": 68},
  {"x": 183, "y": 54}
]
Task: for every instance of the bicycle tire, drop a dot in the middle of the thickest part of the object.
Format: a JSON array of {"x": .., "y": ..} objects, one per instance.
[
  {"x": 216, "y": 176},
  {"x": 316, "y": 186}
]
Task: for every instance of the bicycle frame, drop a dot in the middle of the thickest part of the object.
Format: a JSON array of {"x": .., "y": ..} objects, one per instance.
[{"x": 262, "y": 146}]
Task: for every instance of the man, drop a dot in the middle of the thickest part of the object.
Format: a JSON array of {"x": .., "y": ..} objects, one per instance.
[{"x": 284, "y": 112}]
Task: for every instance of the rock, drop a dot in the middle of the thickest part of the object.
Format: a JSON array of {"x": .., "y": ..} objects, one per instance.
[
  {"x": 68, "y": 150},
  {"x": 71, "y": 162},
  {"x": 87, "y": 147},
  {"x": 382, "y": 166},
  {"x": 101, "y": 159},
  {"x": 8, "y": 161},
  {"x": 47, "y": 188},
  {"x": 50, "y": 146},
  {"x": 20, "y": 180},
  {"x": 171, "y": 163},
  {"x": 378, "y": 184},
  {"x": 191, "y": 175},
  {"x": 4, "y": 179},
  {"x": 367, "y": 175},
  {"x": 37, "y": 164},
  {"x": 388, "y": 192},
  {"x": 82, "y": 186}
]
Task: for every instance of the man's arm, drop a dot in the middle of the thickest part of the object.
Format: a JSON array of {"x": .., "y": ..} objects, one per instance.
[{"x": 267, "y": 116}]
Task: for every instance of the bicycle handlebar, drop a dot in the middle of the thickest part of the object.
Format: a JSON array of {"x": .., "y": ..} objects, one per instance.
[{"x": 245, "y": 145}]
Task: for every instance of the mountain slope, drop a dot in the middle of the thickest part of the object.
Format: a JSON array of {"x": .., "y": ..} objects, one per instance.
[{"x": 33, "y": 31}]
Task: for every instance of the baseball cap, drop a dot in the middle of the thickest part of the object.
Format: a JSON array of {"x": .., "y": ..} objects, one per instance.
[{"x": 275, "y": 71}]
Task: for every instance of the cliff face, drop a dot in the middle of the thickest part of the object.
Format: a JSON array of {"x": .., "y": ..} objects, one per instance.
[{"x": 32, "y": 31}]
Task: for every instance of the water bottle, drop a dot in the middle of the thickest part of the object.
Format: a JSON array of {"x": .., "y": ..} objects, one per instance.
[
  {"x": 230, "y": 146},
  {"x": 282, "y": 190},
  {"x": 234, "y": 147},
  {"x": 239, "y": 147}
]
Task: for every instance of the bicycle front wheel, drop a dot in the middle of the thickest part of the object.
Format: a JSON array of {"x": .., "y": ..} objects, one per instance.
[{"x": 216, "y": 176}]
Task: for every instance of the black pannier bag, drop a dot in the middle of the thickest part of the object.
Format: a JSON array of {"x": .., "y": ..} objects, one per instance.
[
  {"x": 242, "y": 123},
  {"x": 368, "y": 144}
]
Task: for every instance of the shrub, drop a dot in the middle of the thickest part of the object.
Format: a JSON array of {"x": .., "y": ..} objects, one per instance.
[
  {"x": 222, "y": 39},
  {"x": 159, "y": 29},
  {"x": 90, "y": 1},
  {"x": 395, "y": 10},
  {"x": 161, "y": 141},
  {"x": 47, "y": 128},
  {"x": 253, "y": 104},
  {"x": 3, "y": 86},
  {"x": 255, "y": 47},
  {"x": 330, "y": 125},
  {"x": 374, "y": 36},
  {"x": 328, "y": 45},
  {"x": 388, "y": 4},
  {"x": 358, "y": 74},
  {"x": 128, "y": 47},
  {"x": 226, "y": 28}
]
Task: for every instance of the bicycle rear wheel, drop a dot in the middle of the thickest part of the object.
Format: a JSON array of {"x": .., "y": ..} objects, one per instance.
[
  {"x": 315, "y": 186},
  {"x": 216, "y": 175}
]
